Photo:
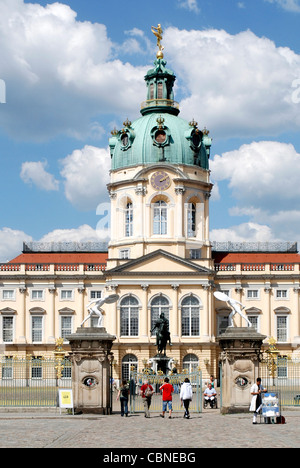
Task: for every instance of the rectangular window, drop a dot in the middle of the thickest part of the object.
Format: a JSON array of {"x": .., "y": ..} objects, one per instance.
[
  {"x": 36, "y": 368},
  {"x": 124, "y": 254},
  {"x": 282, "y": 322},
  {"x": 37, "y": 329},
  {"x": 281, "y": 294},
  {"x": 8, "y": 295},
  {"x": 252, "y": 294},
  {"x": 95, "y": 294},
  {"x": 66, "y": 295},
  {"x": 7, "y": 329},
  {"x": 254, "y": 321},
  {"x": 7, "y": 368},
  {"x": 195, "y": 254},
  {"x": 37, "y": 295},
  {"x": 66, "y": 326},
  {"x": 223, "y": 322}
]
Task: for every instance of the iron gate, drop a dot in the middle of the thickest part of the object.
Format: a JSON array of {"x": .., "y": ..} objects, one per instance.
[
  {"x": 282, "y": 375},
  {"x": 32, "y": 381},
  {"x": 137, "y": 380}
]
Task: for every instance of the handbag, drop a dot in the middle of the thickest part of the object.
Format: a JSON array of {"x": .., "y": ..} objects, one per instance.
[{"x": 148, "y": 392}]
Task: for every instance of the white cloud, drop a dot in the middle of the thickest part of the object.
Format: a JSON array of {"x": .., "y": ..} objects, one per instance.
[
  {"x": 35, "y": 173},
  {"x": 250, "y": 232},
  {"x": 289, "y": 5},
  {"x": 59, "y": 72},
  {"x": 11, "y": 243},
  {"x": 235, "y": 85},
  {"x": 264, "y": 174},
  {"x": 191, "y": 5},
  {"x": 264, "y": 181},
  {"x": 86, "y": 174},
  {"x": 84, "y": 233}
]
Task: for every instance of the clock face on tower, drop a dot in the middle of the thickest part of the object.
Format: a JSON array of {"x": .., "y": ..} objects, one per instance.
[{"x": 160, "y": 180}]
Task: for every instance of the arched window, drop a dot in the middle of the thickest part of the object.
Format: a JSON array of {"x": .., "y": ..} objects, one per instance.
[
  {"x": 160, "y": 90},
  {"x": 190, "y": 316},
  {"x": 191, "y": 220},
  {"x": 190, "y": 363},
  {"x": 129, "y": 316},
  {"x": 160, "y": 225},
  {"x": 159, "y": 304},
  {"x": 129, "y": 220},
  {"x": 128, "y": 361}
]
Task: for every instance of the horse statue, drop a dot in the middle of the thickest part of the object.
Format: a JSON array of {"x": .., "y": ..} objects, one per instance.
[{"x": 163, "y": 335}]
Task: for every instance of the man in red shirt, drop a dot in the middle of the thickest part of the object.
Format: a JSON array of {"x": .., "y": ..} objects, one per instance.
[{"x": 167, "y": 390}]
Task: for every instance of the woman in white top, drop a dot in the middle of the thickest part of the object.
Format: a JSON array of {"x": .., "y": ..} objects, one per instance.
[{"x": 186, "y": 396}]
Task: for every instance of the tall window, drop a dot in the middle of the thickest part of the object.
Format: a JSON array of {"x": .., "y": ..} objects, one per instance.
[
  {"x": 129, "y": 316},
  {"x": 7, "y": 329},
  {"x": 191, "y": 220},
  {"x": 282, "y": 322},
  {"x": 190, "y": 363},
  {"x": 66, "y": 325},
  {"x": 160, "y": 218},
  {"x": 129, "y": 361},
  {"x": 37, "y": 329},
  {"x": 190, "y": 317},
  {"x": 129, "y": 220},
  {"x": 158, "y": 305},
  {"x": 159, "y": 90}
]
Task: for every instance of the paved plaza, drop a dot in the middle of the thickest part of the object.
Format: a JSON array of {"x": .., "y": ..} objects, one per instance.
[{"x": 50, "y": 429}]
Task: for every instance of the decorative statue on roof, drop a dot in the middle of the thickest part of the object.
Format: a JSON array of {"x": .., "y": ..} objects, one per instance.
[{"x": 158, "y": 32}]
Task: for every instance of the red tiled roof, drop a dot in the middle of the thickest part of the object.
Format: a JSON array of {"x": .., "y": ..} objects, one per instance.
[
  {"x": 59, "y": 257},
  {"x": 256, "y": 257}
]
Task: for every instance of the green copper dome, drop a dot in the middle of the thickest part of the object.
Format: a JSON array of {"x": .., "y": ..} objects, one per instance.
[{"x": 159, "y": 135}]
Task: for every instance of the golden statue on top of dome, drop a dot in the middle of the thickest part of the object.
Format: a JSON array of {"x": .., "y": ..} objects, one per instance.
[{"x": 158, "y": 32}]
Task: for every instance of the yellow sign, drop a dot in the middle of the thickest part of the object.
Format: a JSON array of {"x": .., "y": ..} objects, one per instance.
[{"x": 65, "y": 398}]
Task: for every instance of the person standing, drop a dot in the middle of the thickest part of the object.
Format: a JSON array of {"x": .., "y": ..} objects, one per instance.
[
  {"x": 186, "y": 396},
  {"x": 123, "y": 397},
  {"x": 167, "y": 390},
  {"x": 146, "y": 393},
  {"x": 256, "y": 403}
]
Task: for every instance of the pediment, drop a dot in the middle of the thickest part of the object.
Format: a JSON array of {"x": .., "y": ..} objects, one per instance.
[{"x": 160, "y": 262}]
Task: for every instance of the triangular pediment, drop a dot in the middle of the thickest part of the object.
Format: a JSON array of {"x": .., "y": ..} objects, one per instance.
[{"x": 160, "y": 262}]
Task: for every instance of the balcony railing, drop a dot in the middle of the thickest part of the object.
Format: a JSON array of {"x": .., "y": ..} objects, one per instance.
[{"x": 56, "y": 267}]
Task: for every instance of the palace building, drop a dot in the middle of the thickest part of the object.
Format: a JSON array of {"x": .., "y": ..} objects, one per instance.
[{"x": 159, "y": 258}]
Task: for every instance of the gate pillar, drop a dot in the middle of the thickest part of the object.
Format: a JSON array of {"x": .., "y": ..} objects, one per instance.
[
  {"x": 240, "y": 357},
  {"x": 91, "y": 358}
]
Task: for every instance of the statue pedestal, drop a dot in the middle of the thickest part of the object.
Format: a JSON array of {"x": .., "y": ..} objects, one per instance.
[
  {"x": 91, "y": 358},
  {"x": 240, "y": 357},
  {"x": 161, "y": 363}
]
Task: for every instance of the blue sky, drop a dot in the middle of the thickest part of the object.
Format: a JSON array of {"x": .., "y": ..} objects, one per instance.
[{"x": 73, "y": 70}]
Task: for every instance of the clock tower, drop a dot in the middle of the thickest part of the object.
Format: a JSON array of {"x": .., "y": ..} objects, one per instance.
[{"x": 160, "y": 185}]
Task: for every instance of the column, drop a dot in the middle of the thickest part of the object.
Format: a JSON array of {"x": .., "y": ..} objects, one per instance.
[
  {"x": 81, "y": 290},
  {"x": 206, "y": 316},
  {"x": 176, "y": 322},
  {"x": 22, "y": 316},
  {"x": 179, "y": 205},
  {"x": 51, "y": 316},
  {"x": 145, "y": 330}
]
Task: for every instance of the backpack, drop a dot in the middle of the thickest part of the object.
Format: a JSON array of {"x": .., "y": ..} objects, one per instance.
[
  {"x": 124, "y": 392},
  {"x": 148, "y": 392}
]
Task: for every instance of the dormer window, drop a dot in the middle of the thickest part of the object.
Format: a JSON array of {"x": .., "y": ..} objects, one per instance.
[
  {"x": 124, "y": 139},
  {"x": 160, "y": 136}
]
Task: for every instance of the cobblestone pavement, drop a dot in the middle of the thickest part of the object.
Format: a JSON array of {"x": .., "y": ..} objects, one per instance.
[{"x": 50, "y": 429}]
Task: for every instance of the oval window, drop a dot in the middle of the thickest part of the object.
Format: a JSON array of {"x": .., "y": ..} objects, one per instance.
[
  {"x": 160, "y": 136},
  {"x": 89, "y": 382},
  {"x": 124, "y": 139},
  {"x": 196, "y": 139}
]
